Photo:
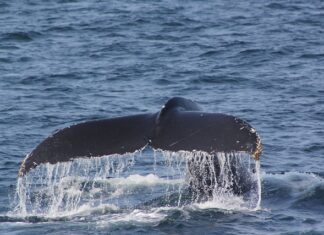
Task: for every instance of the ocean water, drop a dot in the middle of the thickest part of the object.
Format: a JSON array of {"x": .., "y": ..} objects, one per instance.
[{"x": 64, "y": 62}]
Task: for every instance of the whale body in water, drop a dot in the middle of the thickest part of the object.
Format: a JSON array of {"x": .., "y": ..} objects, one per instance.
[{"x": 179, "y": 126}]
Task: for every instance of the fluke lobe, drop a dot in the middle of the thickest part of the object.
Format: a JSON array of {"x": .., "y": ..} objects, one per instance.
[{"x": 179, "y": 125}]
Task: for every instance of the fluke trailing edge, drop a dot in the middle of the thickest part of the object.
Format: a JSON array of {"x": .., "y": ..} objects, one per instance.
[{"x": 179, "y": 125}]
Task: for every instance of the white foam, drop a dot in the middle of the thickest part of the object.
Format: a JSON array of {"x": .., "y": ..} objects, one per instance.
[
  {"x": 143, "y": 180},
  {"x": 88, "y": 209},
  {"x": 136, "y": 217},
  {"x": 224, "y": 202},
  {"x": 141, "y": 216},
  {"x": 108, "y": 184}
]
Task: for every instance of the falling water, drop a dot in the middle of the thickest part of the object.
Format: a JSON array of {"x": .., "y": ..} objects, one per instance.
[
  {"x": 133, "y": 181},
  {"x": 259, "y": 186}
]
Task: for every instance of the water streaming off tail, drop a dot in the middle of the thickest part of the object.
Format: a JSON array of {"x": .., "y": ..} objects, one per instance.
[
  {"x": 141, "y": 180},
  {"x": 224, "y": 180}
]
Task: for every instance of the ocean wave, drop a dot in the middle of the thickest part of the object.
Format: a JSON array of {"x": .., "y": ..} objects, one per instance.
[
  {"x": 293, "y": 189},
  {"x": 313, "y": 198},
  {"x": 217, "y": 79},
  {"x": 312, "y": 56},
  {"x": 20, "y": 36},
  {"x": 283, "y": 6}
]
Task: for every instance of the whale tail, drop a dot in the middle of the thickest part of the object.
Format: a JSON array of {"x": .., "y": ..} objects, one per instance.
[{"x": 180, "y": 125}]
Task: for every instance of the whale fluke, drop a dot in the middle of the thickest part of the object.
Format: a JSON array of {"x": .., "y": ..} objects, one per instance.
[{"x": 180, "y": 125}]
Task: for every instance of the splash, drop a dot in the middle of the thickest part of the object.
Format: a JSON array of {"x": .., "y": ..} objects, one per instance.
[
  {"x": 130, "y": 182},
  {"x": 259, "y": 186},
  {"x": 224, "y": 180},
  {"x": 56, "y": 190}
]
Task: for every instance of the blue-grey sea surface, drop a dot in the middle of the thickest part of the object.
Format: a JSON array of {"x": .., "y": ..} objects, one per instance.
[{"x": 64, "y": 62}]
